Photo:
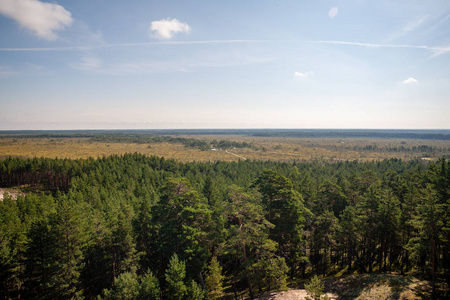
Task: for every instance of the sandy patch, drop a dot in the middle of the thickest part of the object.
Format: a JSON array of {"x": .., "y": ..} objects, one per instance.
[
  {"x": 13, "y": 193},
  {"x": 291, "y": 295}
]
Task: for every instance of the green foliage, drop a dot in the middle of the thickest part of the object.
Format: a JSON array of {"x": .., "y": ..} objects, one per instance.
[
  {"x": 248, "y": 242},
  {"x": 285, "y": 209},
  {"x": 142, "y": 138},
  {"x": 54, "y": 255},
  {"x": 323, "y": 240},
  {"x": 149, "y": 287},
  {"x": 195, "y": 291},
  {"x": 181, "y": 220},
  {"x": 315, "y": 289},
  {"x": 126, "y": 287},
  {"x": 214, "y": 279},
  {"x": 175, "y": 275},
  {"x": 117, "y": 217},
  {"x": 347, "y": 235},
  {"x": 12, "y": 247}
]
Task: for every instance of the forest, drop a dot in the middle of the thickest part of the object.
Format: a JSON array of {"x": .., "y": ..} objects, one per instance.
[{"x": 134, "y": 226}]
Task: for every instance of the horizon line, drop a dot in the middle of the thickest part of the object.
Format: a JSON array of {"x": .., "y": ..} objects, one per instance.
[{"x": 218, "y": 129}]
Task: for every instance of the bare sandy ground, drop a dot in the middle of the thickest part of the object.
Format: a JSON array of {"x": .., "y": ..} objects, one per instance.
[
  {"x": 12, "y": 193},
  {"x": 291, "y": 295}
]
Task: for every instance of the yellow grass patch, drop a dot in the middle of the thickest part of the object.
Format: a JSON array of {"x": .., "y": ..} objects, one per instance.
[{"x": 264, "y": 148}]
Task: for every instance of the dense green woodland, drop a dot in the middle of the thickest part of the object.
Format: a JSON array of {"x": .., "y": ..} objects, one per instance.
[{"x": 137, "y": 227}]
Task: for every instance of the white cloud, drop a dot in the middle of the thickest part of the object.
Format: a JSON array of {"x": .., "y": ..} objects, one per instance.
[
  {"x": 333, "y": 12},
  {"x": 410, "y": 80},
  {"x": 167, "y": 28},
  {"x": 300, "y": 74},
  {"x": 43, "y": 19}
]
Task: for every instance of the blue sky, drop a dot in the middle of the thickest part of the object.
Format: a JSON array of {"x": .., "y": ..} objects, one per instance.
[{"x": 101, "y": 64}]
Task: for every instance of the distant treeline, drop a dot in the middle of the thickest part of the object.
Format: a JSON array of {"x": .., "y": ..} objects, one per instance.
[
  {"x": 381, "y": 134},
  {"x": 187, "y": 142},
  {"x": 419, "y": 148},
  {"x": 132, "y": 137},
  {"x": 294, "y": 133}
]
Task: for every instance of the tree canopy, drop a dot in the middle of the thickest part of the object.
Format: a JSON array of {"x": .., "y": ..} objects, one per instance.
[{"x": 138, "y": 227}]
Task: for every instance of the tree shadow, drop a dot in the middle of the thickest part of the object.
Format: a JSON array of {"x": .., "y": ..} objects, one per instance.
[
  {"x": 423, "y": 290},
  {"x": 378, "y": 286}
]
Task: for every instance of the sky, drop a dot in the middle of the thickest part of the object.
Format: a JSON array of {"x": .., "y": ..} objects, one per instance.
[{"x": 109, "y": 64}]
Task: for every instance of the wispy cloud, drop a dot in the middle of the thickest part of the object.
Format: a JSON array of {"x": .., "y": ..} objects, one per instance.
[
  {"x": 41, "y": 18},
  {"x": 166, "y": 28},
  {"x": 7, "y": 72},
  {"x": 410, "y": 80},
  {"x": 48, "y": 49},
  {"x": 333, "y": 12},
  {"x": 437, "y": 50},
  {"x": 372, "y": 45},
  {"x": 94, "y": 65},
  {"x": 88, "y": 63},
  {"x": 86, "y": 48},
  {"x": 81, "y": 34},
  {"x": 407, "y": 28},
  {"x": 144, "y": 68},
  {"x": 414, "y": 24}
]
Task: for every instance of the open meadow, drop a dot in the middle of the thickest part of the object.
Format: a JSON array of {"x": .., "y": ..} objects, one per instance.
[
  {"x": 356, "y": 217},
  {"x": 284, "y": 149}
]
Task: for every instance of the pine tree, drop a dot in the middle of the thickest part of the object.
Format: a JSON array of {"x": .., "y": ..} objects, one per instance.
[
  {"x": 143, "y": 226},
  {"x": 181, "y": 222},
  {"x": 323, "y": 241},
  {"x": 368, "y": 212},
  {"x": 195, "y": 291},
  {"x": 214, "y": 279},
  {"x": 149, "y": 287},
  {"x": 54, "y": 254},
  {"x": 331, "y": 198},
  {"x": 126, "y": 287},
  {"x": 389, "y": 225},
  {"x": 175, "y": 275},
  {"x": 284, "y": 208},
  {"x": 12, "y": 248},
  {"x": 429, "y": 223},
  {"x": 248, "y": 242},
  {"x": 70, "y": 231},
  {"x": 315, "y": 290},
  {"x": 39, "y": 263},
  {"x": 347, "y": 235},
  {"x": 121, "y": 245}
]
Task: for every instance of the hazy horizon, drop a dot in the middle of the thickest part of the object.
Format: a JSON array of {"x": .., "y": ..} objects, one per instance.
[
  {"x": 228, "y": 131},
  {"x": 106, "y": 65}
]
